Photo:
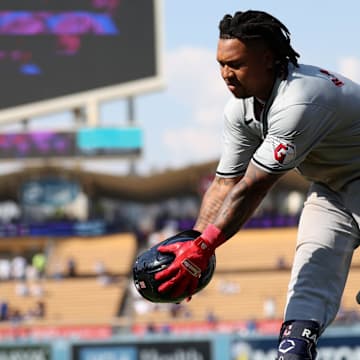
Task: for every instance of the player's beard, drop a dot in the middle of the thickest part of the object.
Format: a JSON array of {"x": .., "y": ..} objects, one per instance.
[{"x": 239, "y": 92}]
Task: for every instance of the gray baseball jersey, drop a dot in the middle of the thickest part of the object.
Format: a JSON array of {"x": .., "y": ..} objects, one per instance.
[{"x": 311, "y": 122}]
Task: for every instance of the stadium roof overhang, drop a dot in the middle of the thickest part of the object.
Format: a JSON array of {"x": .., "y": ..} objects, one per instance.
[{"x": 163, "y": 185}]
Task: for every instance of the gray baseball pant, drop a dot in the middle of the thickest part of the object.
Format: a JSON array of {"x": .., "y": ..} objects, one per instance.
[{"x": 327, "y": 236}]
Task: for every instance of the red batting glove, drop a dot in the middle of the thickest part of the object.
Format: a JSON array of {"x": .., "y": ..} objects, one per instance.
[{"x": 191, "y": 259}]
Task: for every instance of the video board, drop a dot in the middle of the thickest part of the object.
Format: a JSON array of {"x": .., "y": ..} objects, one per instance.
[
  {"x": 85, "y": 143},
  {"x": 73, "y": 50}
]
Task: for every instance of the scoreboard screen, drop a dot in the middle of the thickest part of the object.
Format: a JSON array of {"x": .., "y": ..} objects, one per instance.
[
  {"x": 87, "y": 142},
  {"x": 54, "y": 48}
]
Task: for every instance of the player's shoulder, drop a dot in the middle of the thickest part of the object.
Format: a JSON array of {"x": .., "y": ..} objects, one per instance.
[
  {"x": 234, "y": 105},
  {"x": 236, "y": 109},
  {"x": 308, "y": 72},
  {"x": 311, "y": 84}
]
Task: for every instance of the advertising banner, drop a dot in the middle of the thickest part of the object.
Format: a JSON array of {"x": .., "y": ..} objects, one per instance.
[
  {"x": 52, "y": 332},
  {"x": 329, "y": 348},
  {"x": 182, "y": 350},
  {"x": 85, "y": 142},
  {"x": 25, "y": 352}
]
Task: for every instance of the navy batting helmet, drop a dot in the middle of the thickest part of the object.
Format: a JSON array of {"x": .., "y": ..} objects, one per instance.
[{"x": 153, "y": 261}]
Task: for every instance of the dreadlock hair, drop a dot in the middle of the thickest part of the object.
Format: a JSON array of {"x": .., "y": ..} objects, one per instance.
[{"x": 253, "y": 25}]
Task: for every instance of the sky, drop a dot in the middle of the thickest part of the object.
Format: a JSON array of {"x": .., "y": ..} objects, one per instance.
[{"x": 182, "y": 122}]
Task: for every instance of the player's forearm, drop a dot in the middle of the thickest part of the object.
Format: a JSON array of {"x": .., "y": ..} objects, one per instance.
[
  {"x": 243, "y": 199},
  {"x": 237, "y": 208},
  {"x": 213, "y": 200}
]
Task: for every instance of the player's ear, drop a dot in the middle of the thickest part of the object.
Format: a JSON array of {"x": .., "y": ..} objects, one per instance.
[
  {"x": 269, "y": 59},
  {"x": 266, "y": 53}
]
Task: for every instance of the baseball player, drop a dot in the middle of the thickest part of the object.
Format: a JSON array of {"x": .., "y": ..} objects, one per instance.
[{"x": 283, "y": 115}]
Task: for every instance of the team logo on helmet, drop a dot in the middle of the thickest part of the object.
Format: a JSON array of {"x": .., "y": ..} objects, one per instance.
[{"x": 284, "y": 152}]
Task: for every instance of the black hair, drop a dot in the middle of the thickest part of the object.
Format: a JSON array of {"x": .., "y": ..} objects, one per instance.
[{"x": 258, "y": 25}]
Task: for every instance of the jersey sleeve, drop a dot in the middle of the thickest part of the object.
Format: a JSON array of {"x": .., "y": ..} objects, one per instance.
[
  {"x": 239, "y": 142},
  {"x": 292, "y": 134}
]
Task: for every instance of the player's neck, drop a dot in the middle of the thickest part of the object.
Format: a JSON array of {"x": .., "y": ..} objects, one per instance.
[
  {"x": 258, "y": 107},
  {"x": 260, "y": 101},
  {"x": 264, "y": 92}
]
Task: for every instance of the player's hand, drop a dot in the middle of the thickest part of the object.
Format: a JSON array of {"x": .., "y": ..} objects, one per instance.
[{"x": 191, "y": 259}]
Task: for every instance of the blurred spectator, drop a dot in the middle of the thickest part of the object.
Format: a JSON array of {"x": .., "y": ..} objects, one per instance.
[
  {"x": 228, "y": 287},
  {"x": 150, "y": 328},
  {"x": 175, "y": 310},
  {"x": 36, "y": 289},
  {"x": 140, "y": 305},
  {"x": 295, "y": 202},
  {"x": 143, "y": 229},
  {"x": 270, "y": 308},
  {"x": 341, "y": 314},
  {"x": 102, "y": 274},
  {"x": 211, "y": 318},
  {"x": 58, "y": 272},
  {"x": 170, "y": 229},
  {"x": 16, "y": 316},
  {"x": 21, "y": 288},
  {"x": 187, "y": 312},
  {"x": 99, "y": 268},
  {"x": 251, "y": 325},
  {"x": 5, "y": 269},
  {"x": 281, "y": 263},
  {"x": 39, "y": 311},
  {"x": 39, "y": 263},
  {"x": 4, "y": 310},
  {"x": 143, "y": 306},
  {"x": 154, "y": 238},
  {"x": 104, "y": 279},
  {"x": 31, "y": 273},
  {"x": 347, "y": 316},
  {"x": 71, "y": 267},
  {"x": 18, "y": 267},
  {"x": 166, "y": 329}
]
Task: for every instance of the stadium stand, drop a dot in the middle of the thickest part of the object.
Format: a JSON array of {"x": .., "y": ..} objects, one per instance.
[
  {"x": 68, "y": 301},
  {"x": 115, "y": 251},
  {"x": 257, "y": 249},
  {"x": 230, "y": 296},
  {"x": 351, "y": 289},
  {"x": 251, "y": 268},
  {"x": 247, "y": 275},
  {"x": 87, "y": 298},
  {"x": 22, "y": 245}
]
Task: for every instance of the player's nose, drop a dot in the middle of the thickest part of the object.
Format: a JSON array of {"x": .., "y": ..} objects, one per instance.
[{"x": 226, "y": 73}]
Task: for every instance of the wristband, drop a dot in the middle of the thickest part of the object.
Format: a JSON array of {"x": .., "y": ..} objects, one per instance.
[{"x": 211, "y": 238}]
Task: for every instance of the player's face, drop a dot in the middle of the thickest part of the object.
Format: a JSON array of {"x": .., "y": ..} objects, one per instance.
[{"x": 247, "y": 70}]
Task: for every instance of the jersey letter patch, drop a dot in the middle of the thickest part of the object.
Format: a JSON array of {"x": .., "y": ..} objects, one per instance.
[{"x": 284, "y": 152}]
